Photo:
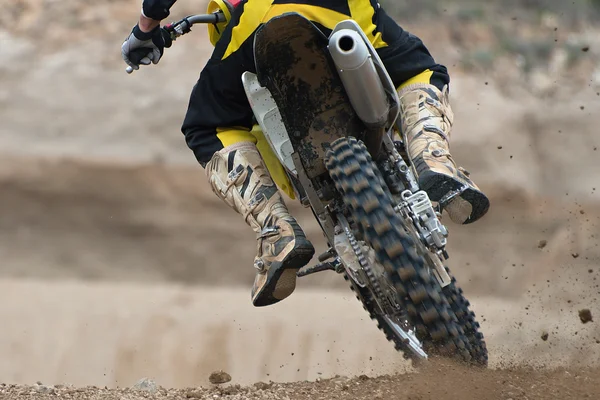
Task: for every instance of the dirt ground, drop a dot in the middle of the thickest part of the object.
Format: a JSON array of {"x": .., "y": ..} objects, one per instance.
[
  {"x": 76, "y": 338},
  {"x": 117, "y": 262},
  {"x": 437, "y": 382}
]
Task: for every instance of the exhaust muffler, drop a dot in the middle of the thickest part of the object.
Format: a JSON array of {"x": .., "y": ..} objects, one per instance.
[{"x": 359, "y": 76}]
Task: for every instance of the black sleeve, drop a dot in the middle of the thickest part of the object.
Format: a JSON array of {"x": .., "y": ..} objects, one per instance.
[
  {"x": 406, "y": 56},
  {"x": 157, "y": 9},
  {"x": 218, "y": 100}
]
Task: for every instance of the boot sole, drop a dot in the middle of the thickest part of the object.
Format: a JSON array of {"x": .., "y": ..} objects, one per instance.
[
  {"x": 439, "y": 185},
  {"x": 281, "y": 278}
]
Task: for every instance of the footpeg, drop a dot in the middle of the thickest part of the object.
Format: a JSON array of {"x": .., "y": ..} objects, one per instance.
[
  {"x": 327, "y": 255},
  {"x": 334, "y": 265}
]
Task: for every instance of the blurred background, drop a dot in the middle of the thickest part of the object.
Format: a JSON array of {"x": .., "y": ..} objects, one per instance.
[{"x": 118, "y": 262}]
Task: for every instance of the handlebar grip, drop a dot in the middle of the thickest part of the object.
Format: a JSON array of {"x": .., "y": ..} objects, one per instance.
[
  {"x": 169, "y": 34},
  {"x": 135, "y": 56},
  {"x": 166, "y": 35}
]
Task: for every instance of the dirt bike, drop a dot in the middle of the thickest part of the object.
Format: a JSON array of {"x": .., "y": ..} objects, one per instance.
[{"x": 329, "y": 111}]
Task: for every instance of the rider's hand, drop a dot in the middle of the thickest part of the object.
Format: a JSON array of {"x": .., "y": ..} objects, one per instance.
[{"x": 144, "y": 47}]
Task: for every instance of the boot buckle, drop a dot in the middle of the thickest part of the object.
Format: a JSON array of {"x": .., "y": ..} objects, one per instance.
[
  {"x": 259, "y": 264},
  {"x": 268, "y": 231},
  {"x": 433, "y": 102},
  {"x": 435, "y": 129},
  {"x": 235, "y": 173},
  {"x": 256, "y": 200}
]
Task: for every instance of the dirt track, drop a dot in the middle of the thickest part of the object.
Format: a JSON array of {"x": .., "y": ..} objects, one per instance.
[
  {"x": 114, "y": 334},
  {"x": 108, "y": 334},
  {"x": 436, "y": 382}
]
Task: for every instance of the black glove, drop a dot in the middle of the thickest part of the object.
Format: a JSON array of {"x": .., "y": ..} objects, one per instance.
[{"x": 145, "y": 47}]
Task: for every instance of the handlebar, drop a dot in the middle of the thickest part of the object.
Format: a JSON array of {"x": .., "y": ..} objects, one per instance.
[{"x": 173, "y": 30}]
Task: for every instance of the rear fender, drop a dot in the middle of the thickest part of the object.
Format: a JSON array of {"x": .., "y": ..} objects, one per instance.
[{"x": 293, "y": 63}]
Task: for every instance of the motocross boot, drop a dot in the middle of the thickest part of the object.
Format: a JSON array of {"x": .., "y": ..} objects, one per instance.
[
  {"x": 426, "y": 122},
  {"x": 240, "y": 178}
]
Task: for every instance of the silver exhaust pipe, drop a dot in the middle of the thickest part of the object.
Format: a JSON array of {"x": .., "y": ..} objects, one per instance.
[{"x": 363, "y": 85}]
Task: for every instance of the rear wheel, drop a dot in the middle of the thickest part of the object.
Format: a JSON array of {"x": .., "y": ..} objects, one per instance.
[{"x": 417, "y": 293}]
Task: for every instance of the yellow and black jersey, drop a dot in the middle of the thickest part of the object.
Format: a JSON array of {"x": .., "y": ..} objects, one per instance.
[{"x": 219, "y": 114}]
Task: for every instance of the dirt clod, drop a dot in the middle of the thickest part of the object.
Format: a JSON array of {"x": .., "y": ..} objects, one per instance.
[
  {"x": 542, "y": 244},
  {"x": 147, "y": 385},
  {"x": 219, "y": 377},
  {"x": 263, "y": 385},
  {"x": 585, "y": 316},
  {"x": 193, "y": 394},
  {"x": 45, "y": 389}
]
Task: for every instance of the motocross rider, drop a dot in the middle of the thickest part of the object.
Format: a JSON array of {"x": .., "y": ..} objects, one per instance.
[{"x": 219, "y": 127}]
